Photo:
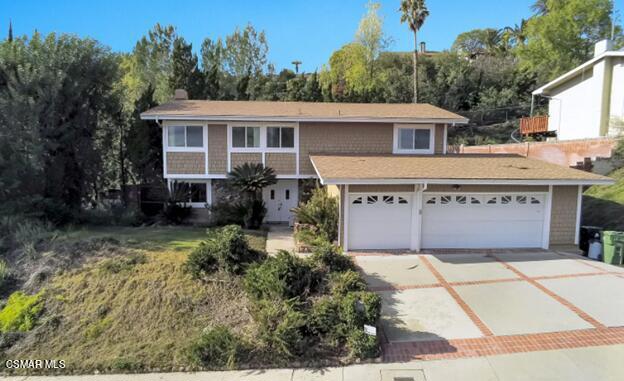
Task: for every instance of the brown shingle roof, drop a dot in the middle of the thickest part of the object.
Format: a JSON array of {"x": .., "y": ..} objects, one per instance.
[
  {"x": 341, "y": 169},
  {"x": 294, "y": 111}
]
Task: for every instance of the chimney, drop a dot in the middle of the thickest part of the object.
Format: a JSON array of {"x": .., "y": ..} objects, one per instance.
[
  {"x": 180, "y": 95},
  {"x": 423, "y": 47},
  {"x": 602, "y": 46}
]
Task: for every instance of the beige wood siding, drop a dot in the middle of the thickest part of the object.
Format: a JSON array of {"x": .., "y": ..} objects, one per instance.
[
  {"x": 563, "y": 215},
  {"x": 487, "y": 188},
  {"x": 341, "y": 138},
  {"x": 186, "y": 163},
  {"x": 240, "y": 158},
  {"x": 217, "y": 149},
  {"x": 438, "y": 141},
  {"x": 380, "y": 188},
  {"x": 282, "y": 163}
]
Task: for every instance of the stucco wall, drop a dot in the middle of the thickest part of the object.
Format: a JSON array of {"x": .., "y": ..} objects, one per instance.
[
  {"x": 217, "y": 149},
  {"x": 616, "y": 107},
  {"x": 487, "y": 188},
  {"x": 563, "y": 215},
  {"x": 282, "y": 163},
  {"x": 380, "y": 188},
  {"x": 186, "y": 163}
]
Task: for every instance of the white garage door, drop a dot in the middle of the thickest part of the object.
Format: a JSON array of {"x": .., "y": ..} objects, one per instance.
[
  {"x": 470, "y": 220},
  {"x": 379, "y": 221}
]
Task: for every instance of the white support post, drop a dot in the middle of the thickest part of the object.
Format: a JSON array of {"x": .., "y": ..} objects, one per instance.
[
  {"x": 346, "y": 220},
  {"x": 547, "y": 218},
  {"x": 579, "y": 205},
  {"x": 416, "y": 218}
]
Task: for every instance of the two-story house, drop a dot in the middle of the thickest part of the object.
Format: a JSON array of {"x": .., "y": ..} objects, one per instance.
[
  {"x": 388, "y": 165},
  {"x": 588, "y": 101}
]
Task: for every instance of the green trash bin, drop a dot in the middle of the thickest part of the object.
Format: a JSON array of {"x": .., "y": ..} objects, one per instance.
[{"x": 613, "y": 247}]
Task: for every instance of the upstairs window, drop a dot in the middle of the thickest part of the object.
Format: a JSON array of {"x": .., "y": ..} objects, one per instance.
[
  {"x": 280, "y": 137},
  {"x": 414, "y": 140},
  {"x": 186, "y": 136},
  {"x": 245, "y": 137}
]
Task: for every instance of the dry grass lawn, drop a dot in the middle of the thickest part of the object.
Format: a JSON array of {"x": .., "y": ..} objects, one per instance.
[{"x": 137, "y": 313}]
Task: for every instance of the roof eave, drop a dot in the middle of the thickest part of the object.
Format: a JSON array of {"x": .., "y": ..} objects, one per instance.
[
  {"x": 250, "y": 118},
  {"x": 570, "y": 74},
  {"x": 394, "y": 181}
]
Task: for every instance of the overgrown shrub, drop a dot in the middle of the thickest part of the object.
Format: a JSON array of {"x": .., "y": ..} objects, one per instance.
[
  {"x": 359, "y": 308},
  {"x": 345, "y": 282},
  {"x": 217, "y": 348},
  {"x": 283, "y": 276},
  {"x": 329, "y": 257},
  {"x": 175, "y": 212},
  {"x": 226, "y": 249},
  {"x": 280, "y": 326},
  {"x": 21, "y": 312},
  {"x": 122, "y": 263},
  {"x": 323, "y": 315},
  {"x": 228, "y": 213},
  {"x": 361, "y": 345},
  {"x": 321, "y": 212},
  {"x": 115, "y": 214}
]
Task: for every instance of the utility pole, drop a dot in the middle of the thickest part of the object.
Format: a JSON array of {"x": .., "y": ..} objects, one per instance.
[{"x": 296, "y": 63}]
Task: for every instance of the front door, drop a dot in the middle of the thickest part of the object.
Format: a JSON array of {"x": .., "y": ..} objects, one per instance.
[{"x": 279, "y": 199}]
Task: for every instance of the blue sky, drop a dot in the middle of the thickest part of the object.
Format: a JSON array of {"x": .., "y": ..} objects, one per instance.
[{"x": 296, "y": 29}]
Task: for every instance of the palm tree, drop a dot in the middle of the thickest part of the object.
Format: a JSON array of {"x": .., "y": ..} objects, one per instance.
[
  {"x": 414, "y": 13},
  {"x": 250, "y": 179}
]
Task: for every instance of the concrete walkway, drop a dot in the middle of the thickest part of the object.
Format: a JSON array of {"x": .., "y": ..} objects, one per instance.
[
  {"x": 591, "y": 363},
  {"x": 280, "y": 237}
]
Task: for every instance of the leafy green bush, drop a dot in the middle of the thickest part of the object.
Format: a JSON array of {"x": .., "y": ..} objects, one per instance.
[
  {"x": 280, "y": 327},
  {"x": 321, "y": 212},
  {"x": 362, "y": 345},
  {"x": 116, "y": 214},
  {"x": 227, "y": 213},
  {"x": 329, "y": 257},
  {"x": 284, "y": 276},
  {"x": 216, "y": 348},
  {"x": 345, "y": 282},
  {"x": 226, "y": 249},
  {"x": 359, "y": 308},
  {"x": 21, "y": 312}
]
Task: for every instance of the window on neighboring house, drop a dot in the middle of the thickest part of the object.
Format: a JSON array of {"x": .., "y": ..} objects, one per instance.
[
  {"x": 186, "y": 136},
  {"x": 280, "y": 137},
  {"x": 245, "y": 137},
  {"x": 414, "y": 139}
]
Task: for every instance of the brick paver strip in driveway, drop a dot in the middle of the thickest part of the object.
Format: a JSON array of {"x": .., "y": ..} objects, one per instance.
[{"x": 601, "y": 297}]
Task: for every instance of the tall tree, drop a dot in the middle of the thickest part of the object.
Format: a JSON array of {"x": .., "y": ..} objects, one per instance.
[
  {"x": 10, "y": 37},
  {"x": 245, "y": 52},
  {"x": 371, "y": 36},
  {"x": 185, "y": 73},
  {"x": 149, "y": 64},
  {"x": 561, "y": 35},
  {"x": 414, "y": 13},
  {"x": 144, "y": 142}
]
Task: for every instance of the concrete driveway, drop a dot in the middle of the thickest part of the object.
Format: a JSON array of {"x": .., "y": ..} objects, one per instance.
[{"x": 451, "y": 305}]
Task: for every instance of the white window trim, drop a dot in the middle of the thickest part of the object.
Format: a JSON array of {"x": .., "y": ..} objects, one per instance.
[
  {"x": 263, "y": 138},
  {"x": 395, "y": 143},
  {"x": 168, "y": 148},
  {"x": 195, "y": 205}
]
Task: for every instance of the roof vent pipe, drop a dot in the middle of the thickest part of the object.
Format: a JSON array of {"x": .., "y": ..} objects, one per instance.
[{"x": 180, "y": 95}]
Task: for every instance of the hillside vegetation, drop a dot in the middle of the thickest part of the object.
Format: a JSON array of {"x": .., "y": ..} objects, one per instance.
[{"x": 604, "y": 205}]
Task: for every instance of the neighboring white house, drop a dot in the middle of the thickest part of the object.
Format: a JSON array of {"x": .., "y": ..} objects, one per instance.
[{"x": 588, "y": 101}]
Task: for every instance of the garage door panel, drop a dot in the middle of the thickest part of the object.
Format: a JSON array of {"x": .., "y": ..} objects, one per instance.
[
  {"x": 516, "y": 223},
  {"x": 381, "y": 221}
]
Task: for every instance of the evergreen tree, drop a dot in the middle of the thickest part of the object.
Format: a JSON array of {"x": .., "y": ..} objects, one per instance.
[
  {"x": 144, "y": 142},
  {"x": 312, "y": 90},
  {"x": 185, "y": 70}
]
